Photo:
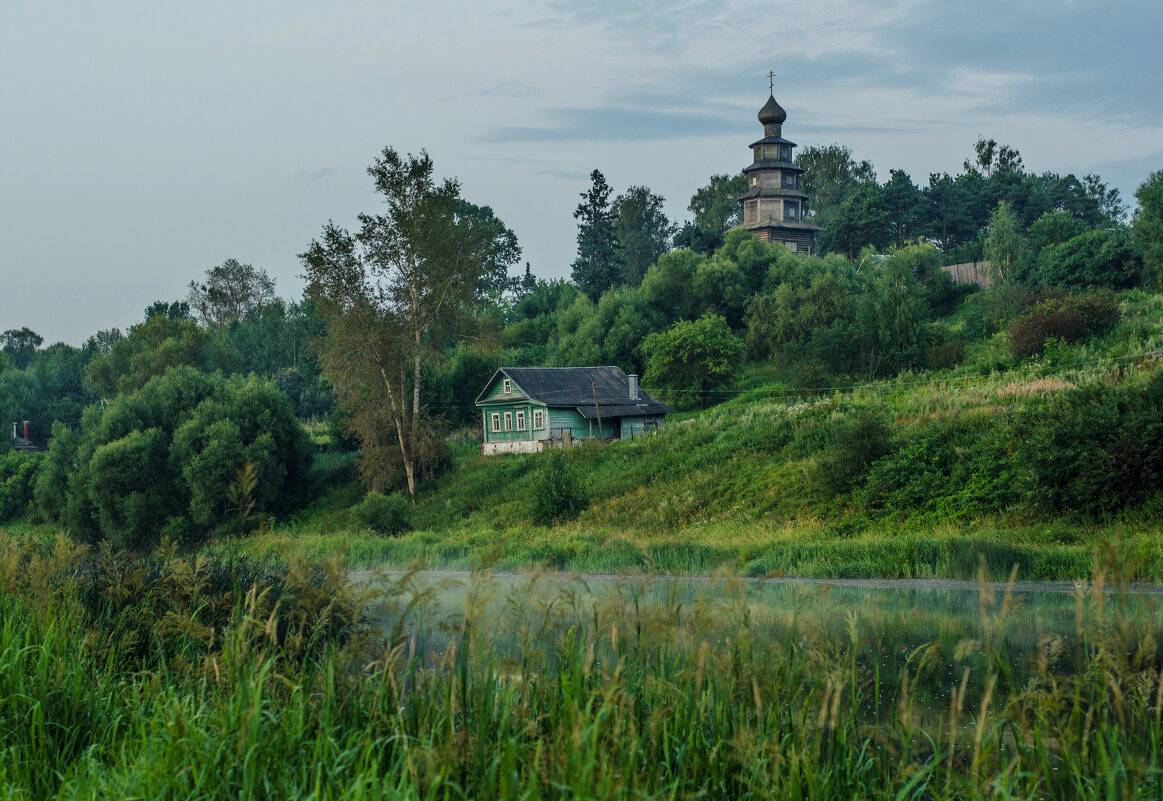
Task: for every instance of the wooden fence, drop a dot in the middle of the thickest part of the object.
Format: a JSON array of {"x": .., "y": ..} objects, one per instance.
[{"x": 971, "y": 272}]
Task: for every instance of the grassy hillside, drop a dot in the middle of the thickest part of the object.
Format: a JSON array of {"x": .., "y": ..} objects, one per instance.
[{"x": 1031, "y": 461}]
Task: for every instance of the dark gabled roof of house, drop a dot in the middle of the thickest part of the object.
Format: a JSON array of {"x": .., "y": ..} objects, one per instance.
[{"x": 576, "y": 386}]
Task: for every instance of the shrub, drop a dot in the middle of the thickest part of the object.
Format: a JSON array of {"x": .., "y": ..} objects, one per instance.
[
  {"x": 384, "y": 514},
  {"x": 1104, "y": 259},
  {"x": 556, "y": 494},
  {"x": 1070, "y": 318},
  {"x": 946, "y": 355},
  {"x": 17, "y": 477},
  {"x": 693, "y": 358},
  {"x": 856, "y": 444},
  {"x": 1095, "y": 449},
  {"x": 164, "y": 458}
]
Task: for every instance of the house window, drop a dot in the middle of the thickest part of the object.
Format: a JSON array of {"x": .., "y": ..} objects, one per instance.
[
  {"x": 507, "y": 387},
  {"x": 496, "y": 421},
  {"x": 538, "y": 418},
  {"x": 520, "y": 421},
  {"x": 791, "y": 210},
  {"x": 508, "y": 421}
]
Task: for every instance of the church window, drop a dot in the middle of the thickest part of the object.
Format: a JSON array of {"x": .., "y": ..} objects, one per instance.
[
  {"x": 791, "y": 210},
  {"x": 785, "y": 152},
  {"x": 789, "y": 180}
]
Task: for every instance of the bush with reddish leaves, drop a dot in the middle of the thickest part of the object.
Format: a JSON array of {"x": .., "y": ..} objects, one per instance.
[{"x": 1070, "y": 318}]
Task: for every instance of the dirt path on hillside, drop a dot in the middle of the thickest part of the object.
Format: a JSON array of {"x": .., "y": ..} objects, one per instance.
[{"x": 370, "y": 576}]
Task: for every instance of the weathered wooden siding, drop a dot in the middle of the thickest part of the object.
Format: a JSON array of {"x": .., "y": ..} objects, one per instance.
[
  {"x": 497, "y": 391},
  {"x": 569, "y": 420},
  {"x": 637, "y": 426},
  {"x": 528, "y": 432},
  {"x": 970, "y": 272}
]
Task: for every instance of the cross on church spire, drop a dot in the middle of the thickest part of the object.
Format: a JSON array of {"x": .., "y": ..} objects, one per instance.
[{"x": 771, "y": 82}]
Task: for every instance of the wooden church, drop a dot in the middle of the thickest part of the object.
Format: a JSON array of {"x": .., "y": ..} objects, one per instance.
[{"x": 774, "y": 204}]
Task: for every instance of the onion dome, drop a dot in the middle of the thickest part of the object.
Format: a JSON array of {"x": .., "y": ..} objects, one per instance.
[{"x": 772, "y": 113}]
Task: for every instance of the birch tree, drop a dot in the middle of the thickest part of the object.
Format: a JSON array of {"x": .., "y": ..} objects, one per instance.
[{"x": 385, "y": 294}]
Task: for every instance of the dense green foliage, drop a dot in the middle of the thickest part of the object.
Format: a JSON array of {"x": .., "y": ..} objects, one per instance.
[
  {"x": 163, "y": 459},
  {"x": 17, "y": 475},
  {"x": 918, "y": 475},
  {"x": 409, "y": 345},
  {"x": 597, "y": 266},
  {"x": 1093, "y": 259},
  {"x": 1147, "y": 227},
  {"x": 383, "y": 514},
  {"x": 556, "y": 495},
  {"x": 694, "y": 358}
]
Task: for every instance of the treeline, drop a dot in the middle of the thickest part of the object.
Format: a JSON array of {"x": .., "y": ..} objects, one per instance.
[
  {"x": 265, "y": 336},
  {"x": 404, "y": 319}
]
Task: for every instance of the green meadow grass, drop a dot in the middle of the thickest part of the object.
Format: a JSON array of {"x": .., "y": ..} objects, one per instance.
[
  {"x": 738, "y": 486},
  {"x": 531, "y": 690}
]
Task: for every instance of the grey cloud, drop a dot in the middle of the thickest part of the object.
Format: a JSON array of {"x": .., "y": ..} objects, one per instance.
[
  {"x": 1082, "y": 58},
  {"x": 568, "y": 175},
  {"x": 617, "y": 124},
  {"x": 320, "y": 174}
]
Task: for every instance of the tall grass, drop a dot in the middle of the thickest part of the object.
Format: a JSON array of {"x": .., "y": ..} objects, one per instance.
[{"x": 540, "y": 690}]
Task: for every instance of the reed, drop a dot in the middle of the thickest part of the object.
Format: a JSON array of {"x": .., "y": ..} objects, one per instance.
[{"x": 536, "y": 688}]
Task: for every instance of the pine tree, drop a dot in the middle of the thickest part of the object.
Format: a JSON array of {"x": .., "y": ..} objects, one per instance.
[{"x": 596, "y": 267}]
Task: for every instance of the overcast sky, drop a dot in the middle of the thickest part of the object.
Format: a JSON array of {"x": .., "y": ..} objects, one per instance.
[{"x": 142, "y": 143}]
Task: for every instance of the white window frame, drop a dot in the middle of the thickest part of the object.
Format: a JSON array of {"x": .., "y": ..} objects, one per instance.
[
  {"x": 538, "y": 419},
  {"x": 496, "y": 420},
  {"x": 508, "y": 421},
  {"x": 520, "y": 424},
  {"x": 507, "y": 387}
]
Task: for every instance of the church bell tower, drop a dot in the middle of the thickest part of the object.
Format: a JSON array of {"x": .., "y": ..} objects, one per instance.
[{"x": 774, "y": 205}]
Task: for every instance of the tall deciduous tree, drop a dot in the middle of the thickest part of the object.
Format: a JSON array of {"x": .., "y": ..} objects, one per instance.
[
  {"x": 230, "y": 291},
  {"x": 1005, "y": 247},
  {"x": 831, "y": 176},
  {"x": 20, "y": 345},
  {"x": 991, "y": 158},
  {"x": 384, "y": 295},
  {"x": 1109, "y": 200},
  {"x": 716, "y": 210},
  {"x": 1147, "y": 229},
  {"x": 596, "y": 267},
  {"x": 643, "y": 231},
  {"x": 500, "y": 248},
  {"x": 861, "y": 220},
  {"x": 695, "y": 356}
]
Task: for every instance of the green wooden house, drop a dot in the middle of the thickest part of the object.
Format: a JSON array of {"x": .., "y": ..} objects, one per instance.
[{"x": 524, "y": 409}]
